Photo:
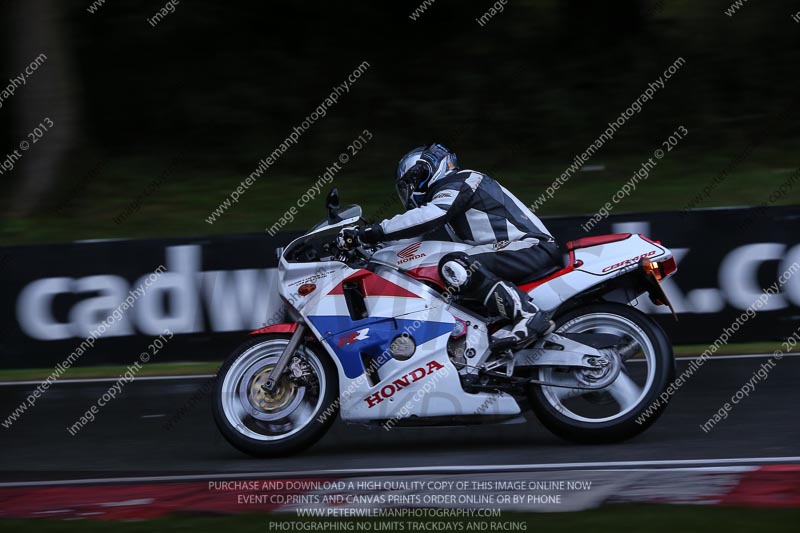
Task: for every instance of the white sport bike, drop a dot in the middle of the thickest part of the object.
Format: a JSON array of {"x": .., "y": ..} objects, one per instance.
[{"x": 374, "y": 336}]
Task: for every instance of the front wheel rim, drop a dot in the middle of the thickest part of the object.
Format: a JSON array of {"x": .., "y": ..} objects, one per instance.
[{"x": 263, "y": 417}]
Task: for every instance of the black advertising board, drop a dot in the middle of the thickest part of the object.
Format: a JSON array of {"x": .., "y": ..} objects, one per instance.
[{"x": 211, "y": 290}]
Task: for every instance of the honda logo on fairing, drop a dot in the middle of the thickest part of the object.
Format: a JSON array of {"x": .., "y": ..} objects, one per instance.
[
  {"x": 402, "y": 382},
  {"x": 409, "y": 253}
]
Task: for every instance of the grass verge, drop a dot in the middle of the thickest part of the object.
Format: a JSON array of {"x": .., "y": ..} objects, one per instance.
[
  {"x": 210, "y": 367},
  {"x": 184, "y": 202},
  {"x": 112, "y": 371}
]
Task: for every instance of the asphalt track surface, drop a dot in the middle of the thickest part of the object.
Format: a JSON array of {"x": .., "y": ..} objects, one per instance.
[{"x": 128, "y": 438}]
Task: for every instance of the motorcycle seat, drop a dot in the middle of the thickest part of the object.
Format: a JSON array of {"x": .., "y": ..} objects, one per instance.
[{"x": 565, "y": 267}]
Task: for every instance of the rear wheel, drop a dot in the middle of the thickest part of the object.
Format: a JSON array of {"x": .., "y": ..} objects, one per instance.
[
  {"x": 630, "y": 403},
  {"x": 297, "y": 412}
]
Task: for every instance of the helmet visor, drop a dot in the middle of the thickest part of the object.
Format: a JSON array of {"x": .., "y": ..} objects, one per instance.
[
  {"x": 404, "y": 191},
  {"x": 409, "y": 183}
]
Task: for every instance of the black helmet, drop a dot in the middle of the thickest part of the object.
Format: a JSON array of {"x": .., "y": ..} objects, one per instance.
[{"x": 419, "y": 169}]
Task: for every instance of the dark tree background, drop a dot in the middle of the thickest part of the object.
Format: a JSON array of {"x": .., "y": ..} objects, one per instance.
[{"x": 217, "y": 86}]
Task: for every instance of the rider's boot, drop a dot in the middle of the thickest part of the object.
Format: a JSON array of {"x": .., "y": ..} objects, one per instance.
[{"x": 528, "y": 321}]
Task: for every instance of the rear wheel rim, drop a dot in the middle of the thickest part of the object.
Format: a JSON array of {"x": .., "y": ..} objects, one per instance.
[
  {"x": 291, "y": 407},
  {"x": 635, "y": 379}
]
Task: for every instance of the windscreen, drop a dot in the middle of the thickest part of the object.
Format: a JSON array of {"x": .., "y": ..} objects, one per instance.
[{"x": 351, "y": 211}]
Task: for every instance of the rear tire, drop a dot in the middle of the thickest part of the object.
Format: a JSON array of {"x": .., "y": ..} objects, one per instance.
[
  {"x": 268, "y": 425},
  {"x": 571, "y": 426}
]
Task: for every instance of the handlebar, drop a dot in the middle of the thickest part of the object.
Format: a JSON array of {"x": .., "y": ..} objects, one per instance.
[{"x": 347, "y": 255}]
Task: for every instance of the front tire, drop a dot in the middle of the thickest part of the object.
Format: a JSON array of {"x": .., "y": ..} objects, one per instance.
[
  {"x": 631, "y": 403},
  {"x": 297, "y": 413}
]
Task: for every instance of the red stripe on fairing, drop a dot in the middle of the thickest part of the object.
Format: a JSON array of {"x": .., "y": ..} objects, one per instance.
[
  {"x": 374, "y": 285},
  {"x": 597, "y": 240},
  {"x": 141, "y": 500},
  {"x": 276, "y": 328},
  {"x": 429, "y": 273}
]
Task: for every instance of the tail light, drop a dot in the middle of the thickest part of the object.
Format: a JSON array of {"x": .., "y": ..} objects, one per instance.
[
  {"x": 659, "y": 269},
  {"x": 668, "y": 267}
]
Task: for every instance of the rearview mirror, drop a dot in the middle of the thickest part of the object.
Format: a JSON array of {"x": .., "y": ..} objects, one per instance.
[{"x": 333, "y": 205}]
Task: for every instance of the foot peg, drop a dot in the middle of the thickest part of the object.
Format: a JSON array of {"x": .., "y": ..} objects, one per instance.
[
  {"x": 538, "y": 325},
  {"x": 502, "y": 344}
]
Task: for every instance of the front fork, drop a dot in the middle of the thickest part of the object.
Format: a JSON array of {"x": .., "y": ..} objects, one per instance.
[{"x": 283, "y": 360}]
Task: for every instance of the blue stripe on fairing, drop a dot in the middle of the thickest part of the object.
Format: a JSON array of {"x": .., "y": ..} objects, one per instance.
[{"x": 382, "y": 331}]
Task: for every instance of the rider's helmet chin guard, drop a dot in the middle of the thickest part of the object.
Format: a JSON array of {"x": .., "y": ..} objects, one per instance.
[{"x": 419, "y": 169}]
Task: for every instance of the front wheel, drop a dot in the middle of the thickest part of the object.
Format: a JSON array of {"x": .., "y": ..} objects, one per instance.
[
  {"x": 297, "y": 412},
  {"x": 627, "y": 406}
]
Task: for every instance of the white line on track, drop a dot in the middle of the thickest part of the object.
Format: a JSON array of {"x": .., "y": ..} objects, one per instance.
[
  {"x": 744, "y": 356},
  {"x": 732, "y": 464},
  {"x": 726, "y": 357},
  {"x": 207, "y": 376}
]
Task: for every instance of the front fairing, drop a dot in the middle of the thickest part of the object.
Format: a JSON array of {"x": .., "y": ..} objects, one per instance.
[
  {"x": 317, "y": 237},
  {"x": 309, "y": 260}
]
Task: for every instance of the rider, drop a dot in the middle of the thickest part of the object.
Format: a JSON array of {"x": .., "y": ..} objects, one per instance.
[{"x": 509, "y": 243}]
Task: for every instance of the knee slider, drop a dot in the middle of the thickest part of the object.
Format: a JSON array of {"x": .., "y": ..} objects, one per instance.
[
  {"x": 454, "y": 273},
  {"x": 461, "y": 272}
]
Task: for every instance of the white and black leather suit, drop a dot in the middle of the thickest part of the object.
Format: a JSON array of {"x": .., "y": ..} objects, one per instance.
[{"x": 508, "y": 241}]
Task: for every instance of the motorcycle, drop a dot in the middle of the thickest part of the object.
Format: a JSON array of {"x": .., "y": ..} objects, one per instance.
[{"x": 377, "y": 338}]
